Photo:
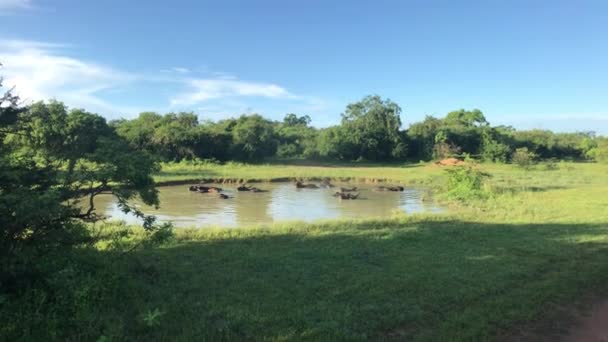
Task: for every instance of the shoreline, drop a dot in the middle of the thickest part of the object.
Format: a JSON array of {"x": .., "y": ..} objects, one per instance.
[{"x": 235, "y": 180}]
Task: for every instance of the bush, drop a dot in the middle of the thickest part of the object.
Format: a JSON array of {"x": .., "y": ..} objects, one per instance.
[
  {"x": 444, "y": 150},
  {"x": 523, "y": 158},
  {"x": 494, "y": 151},
  {"x": 465, "y": 183},
  {"x": 599, "y": 153},
  {"x": 287, "y": 151}
]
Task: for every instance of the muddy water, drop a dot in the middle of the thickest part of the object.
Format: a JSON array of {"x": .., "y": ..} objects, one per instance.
[{"x": 281, "y": 202}]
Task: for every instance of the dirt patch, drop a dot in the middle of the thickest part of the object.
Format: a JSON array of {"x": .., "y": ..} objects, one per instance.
[
  {"x": 585, "y": 319},
  {"x": 450, "y": 162},
  {"x": 592, "y": 327}
]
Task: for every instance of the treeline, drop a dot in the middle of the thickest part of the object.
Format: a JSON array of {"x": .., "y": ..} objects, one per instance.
[{"x": 370, "y": 130}]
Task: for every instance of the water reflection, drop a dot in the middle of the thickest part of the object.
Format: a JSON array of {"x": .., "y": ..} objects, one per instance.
[{"x": 282, "y": 202}]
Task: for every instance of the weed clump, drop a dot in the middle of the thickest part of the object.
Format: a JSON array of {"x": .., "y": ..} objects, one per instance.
[
  {"x": 523, "y": 158},
  {"x": 465, "y": 184}
]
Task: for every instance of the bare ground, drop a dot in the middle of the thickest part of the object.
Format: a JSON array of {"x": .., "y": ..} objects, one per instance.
[
  {"x": 593, "y": 327},
  {"x": 583, "y": 321}
]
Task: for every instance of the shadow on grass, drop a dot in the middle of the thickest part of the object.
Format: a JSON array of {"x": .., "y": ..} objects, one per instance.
[{"x": 432, "y": 280}]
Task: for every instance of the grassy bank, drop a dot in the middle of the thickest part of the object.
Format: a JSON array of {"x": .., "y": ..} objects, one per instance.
[
  {"x": 411, "y": 173},
  {"x": 539, "y": 242}
]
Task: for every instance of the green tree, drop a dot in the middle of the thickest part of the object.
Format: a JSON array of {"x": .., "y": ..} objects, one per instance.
[
  {"x": 295, "y": 137},
  {"x": 599, "y": 153},
  {"x": 52, "y": 159},
  {"x": 461, "y": 117},
  {"x": 492, "y": 149},
  {"x": 421, "y": 137},
  {"x": 294, "y": 120},
  {"x": 253, "y": 138},
  {"x": 371, "y": 129}
]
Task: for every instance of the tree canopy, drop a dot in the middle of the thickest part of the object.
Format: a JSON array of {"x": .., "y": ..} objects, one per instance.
[{"x": 54, "y": 161}]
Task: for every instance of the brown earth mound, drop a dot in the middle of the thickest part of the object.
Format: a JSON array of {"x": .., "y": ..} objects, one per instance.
[{"x": 450, "y": 162}]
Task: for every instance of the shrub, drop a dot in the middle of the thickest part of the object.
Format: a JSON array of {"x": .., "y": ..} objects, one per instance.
[
  {"x": 600, "y": 152},
  {"x": 465, "y": 183},
  {"x": 494, "y": 151},
  {"x": 444, "y": 150},
  {"x": 523, "y": 158},
  {"x": 287, "y": 151}
]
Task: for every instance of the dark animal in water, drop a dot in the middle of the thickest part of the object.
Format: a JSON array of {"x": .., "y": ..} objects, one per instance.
[
  {"x": 204, "y": 189},
  {"x": 389, "y": 188},
  {"x": 223, "y": 196},
  {"x": 346, "y": 195},
  {"x": 354, "y": 188},
  {"x": 301, "y": 185},
  {"x": 249, "y": 188}
]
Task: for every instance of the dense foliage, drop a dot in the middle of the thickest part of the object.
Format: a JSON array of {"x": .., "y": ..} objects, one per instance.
[
  {"x": 53, "y": 162},
  {"x": 370, "y": 130}
]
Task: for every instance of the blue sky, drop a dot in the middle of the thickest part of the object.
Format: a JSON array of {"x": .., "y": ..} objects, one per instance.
[{"x": 530, "y": 64}]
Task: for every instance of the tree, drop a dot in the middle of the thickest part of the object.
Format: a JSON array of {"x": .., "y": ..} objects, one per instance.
[
  {"x": 295, "y": 137},
  {"x": 293, "y": 120},
  {"x": 253, "y": 138},
  {"x": 422, "y": 137},
  {"x": 599, "y": 153},
  {"x": 52, "y": 159},
  {"x": 492, "y": 149},
  {"x": 171, "y": 137},
  {"x": 443, "y": 148},
  {"x": 461, "y": 117},
  {"x": 371, "y": 128}
]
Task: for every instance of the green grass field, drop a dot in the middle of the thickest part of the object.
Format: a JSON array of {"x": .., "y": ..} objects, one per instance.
[{"x": 481, "y": 272}]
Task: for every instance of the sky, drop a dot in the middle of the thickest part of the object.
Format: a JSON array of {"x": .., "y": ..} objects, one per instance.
[{"x": 525, "y": 63}]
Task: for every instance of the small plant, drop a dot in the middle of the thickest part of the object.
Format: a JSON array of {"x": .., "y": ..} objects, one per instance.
[
  {"x": 465, "y": 183},
  {"x": 523, "y": 158},
  {"x": 152, "y": 317}
]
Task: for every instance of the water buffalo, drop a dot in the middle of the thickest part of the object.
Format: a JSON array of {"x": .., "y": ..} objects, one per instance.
[
  {"x": 204, "y": 189},
  {"x": 389, "y": 188},
  {"x": 243, "y": 188},
  {"x": 301, "y": 185},
  {"x": 346, "y": 195}
]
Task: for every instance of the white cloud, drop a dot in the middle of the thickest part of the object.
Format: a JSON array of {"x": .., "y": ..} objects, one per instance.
[
  {"x": 9, "y": 6},
  {"x": 39, "y": 72},
  {"x": 178, "y": 70},
  {"x": 43, "y": 71},
  {"x": 207, "y": 89}
]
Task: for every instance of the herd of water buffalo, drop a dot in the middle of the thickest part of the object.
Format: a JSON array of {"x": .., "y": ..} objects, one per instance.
[{"x": 344, "y": 193}]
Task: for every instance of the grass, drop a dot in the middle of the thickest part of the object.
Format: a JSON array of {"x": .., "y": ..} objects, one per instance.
[
  {"x": 415, "y": 173},
  {"x": 540, "y": 241}
]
